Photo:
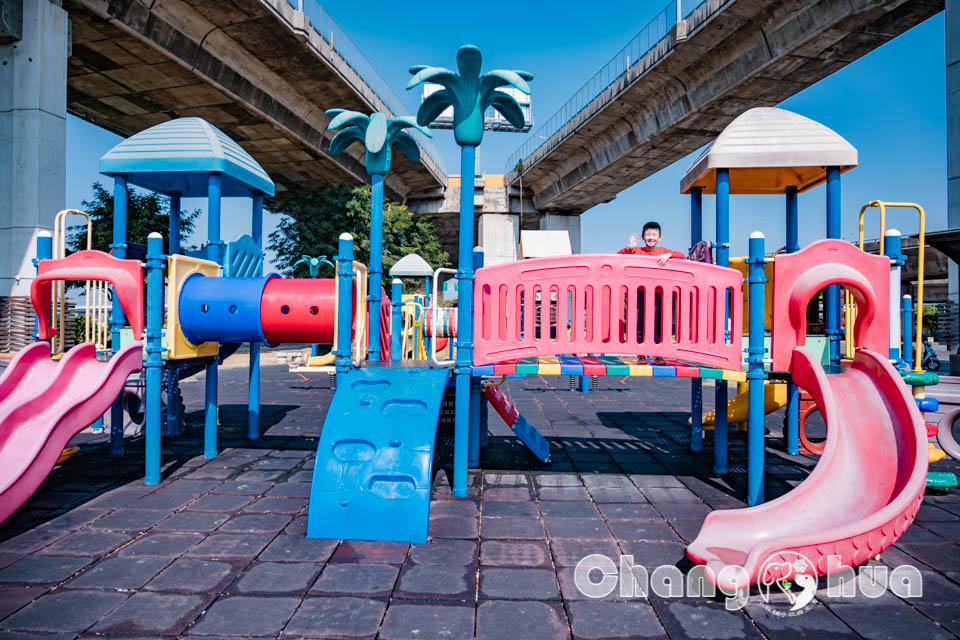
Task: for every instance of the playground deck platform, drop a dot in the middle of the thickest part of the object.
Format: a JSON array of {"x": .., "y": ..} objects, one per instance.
[{"x": 218, "y": 549}]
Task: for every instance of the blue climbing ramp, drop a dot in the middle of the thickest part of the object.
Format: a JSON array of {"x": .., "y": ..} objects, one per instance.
[{"x": 375, "y": 458}]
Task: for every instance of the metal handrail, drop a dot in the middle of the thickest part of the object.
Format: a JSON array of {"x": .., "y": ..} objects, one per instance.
[
  {"x": 359, "y": 345},
  {"x": 880, "y": 204},
  {"x": 616, "y": 69},
  {"x": 433, "y": 307}
]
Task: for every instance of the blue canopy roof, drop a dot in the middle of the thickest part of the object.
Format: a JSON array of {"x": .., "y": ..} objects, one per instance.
[{"x": 179, "y": 155}]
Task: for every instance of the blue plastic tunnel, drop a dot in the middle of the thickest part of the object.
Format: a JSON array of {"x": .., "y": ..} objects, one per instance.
[{"x": 221, "y": 309}]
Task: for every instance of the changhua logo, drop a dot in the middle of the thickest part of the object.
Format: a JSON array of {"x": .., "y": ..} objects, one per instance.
[
  {"x": 798, "y": 590},
  {"x": 786, "y": 582}
]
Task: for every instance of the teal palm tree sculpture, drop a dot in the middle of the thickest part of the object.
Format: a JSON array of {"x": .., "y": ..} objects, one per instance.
[
  {"x": 378, "y": 135},
  {"x": 313, "y": 264},
  {"x": 469, "y": 93}
]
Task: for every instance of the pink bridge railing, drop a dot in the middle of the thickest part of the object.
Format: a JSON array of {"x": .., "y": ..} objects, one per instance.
[{"x": 608, "y": 304}]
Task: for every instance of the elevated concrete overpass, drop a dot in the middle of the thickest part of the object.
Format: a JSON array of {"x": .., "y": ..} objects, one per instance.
[
  {"x": 263, "y": 71},
  {"x": 687, "y": 82}
]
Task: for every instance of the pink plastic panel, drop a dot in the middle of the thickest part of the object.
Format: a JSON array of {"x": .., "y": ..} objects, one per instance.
[
  {"x": 126, "y": 276},
  {"x": 797, "y": 277},
  {"x": 608, "y": 304}
]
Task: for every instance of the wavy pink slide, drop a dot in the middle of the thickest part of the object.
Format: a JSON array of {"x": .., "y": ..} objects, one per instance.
[
  {"x": 44, "y": 403},
  {"x": 861, "y": 496}
]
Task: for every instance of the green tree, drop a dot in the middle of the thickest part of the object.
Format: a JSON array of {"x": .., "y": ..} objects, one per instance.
[
  {"x": 311, "y": 225},
  {"x": 146, "y": 213}
]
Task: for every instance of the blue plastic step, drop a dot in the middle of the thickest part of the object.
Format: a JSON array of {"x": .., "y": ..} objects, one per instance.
[
  {"x": 375, "y": 457},
  {"x": 531, "y": 438}
]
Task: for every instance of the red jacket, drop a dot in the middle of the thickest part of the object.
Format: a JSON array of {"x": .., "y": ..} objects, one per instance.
[{"x": 656, "y": 251}]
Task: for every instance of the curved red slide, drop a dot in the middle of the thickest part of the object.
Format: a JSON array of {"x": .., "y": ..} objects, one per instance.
[
  {"x": 44, "y": 403},
  {"x": 861, "y": 496}
]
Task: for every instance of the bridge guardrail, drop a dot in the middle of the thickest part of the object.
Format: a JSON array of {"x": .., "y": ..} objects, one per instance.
[
  {"x": 655, "y": 30},
  {"x": 334, "y": 35}
]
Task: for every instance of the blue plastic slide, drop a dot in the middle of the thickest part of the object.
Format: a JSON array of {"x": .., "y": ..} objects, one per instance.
[{"x": 375, "y": 457}]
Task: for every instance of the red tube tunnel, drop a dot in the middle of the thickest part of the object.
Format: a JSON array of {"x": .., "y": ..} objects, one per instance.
[{"x": 301, "y": 310}]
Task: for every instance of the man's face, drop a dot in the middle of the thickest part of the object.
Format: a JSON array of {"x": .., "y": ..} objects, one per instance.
[{"x": 651, "y": 237}]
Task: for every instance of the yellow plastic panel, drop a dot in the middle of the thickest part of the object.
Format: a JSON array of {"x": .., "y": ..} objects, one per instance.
[
  {"x": 179, "y": 269},
  {"x": 736, "y": 376},
  {"x": 740, "y": 264}
]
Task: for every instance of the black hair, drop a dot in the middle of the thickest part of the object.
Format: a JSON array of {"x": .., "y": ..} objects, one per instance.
[{"x": 651, "y": 225}]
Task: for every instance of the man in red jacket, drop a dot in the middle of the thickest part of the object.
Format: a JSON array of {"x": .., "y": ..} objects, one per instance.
[{"x": 651, "y": 236}]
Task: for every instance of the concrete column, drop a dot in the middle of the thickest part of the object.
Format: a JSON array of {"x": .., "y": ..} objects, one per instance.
[
  {"x": 499, "y": 235},
  {"x": 952, "y": 38},
  {"x": 952, "y": 35},
  {"x": 553, "y": 222},
  {"x": 33, "y": 139}
]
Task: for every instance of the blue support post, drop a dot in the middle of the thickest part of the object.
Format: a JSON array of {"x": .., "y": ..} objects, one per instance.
[
  {"x": 721, "y": 428},
  {"x": 464, "y": 362},
  {"x": 696, "y": 384},
  {"x": 214, "y": 253},
  {"x": 173, "y": 230},
  {"x": 44, "y": 252},
  {"x": 755, "y": 373},
  {"x": 832, "y": 306},
  {"x": 253, "y": 371},
  {"x": 154, "y": 363},
  {"x": 793, "y": 393},
  {"x": 173, "y": 402},
  {"x": 427, "y": 301},
  {"x": 345, "y": 275},
  {"x": 118, "y": 319},
  {"x": 474, "y": 454},
  {"x": 173, "y": 379},
  {"x": 696, "y": 215},
  {"x": 892, "y": 247},
  {"x": 211, "y": 384},
  {"x": 214, "y": 244},
  {"x": 793, "y": 419},
  {"x": 696, "y": 414},
  {"x": 396, "y": 326},
  {"x": 906, "y": 309},
  {"x": 793, "y": 221},
  {"x": 484, "y": 424},
  {"x": 723, "y": 217},
  {"x": 376, "y": 263}
]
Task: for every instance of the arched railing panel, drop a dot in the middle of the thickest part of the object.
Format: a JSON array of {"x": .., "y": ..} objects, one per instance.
[
  {"x": 609, "y": 304},
  {"x": 797, "y": 277}
]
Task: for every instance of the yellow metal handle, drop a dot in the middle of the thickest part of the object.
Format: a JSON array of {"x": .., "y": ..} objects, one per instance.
[{"x": 880, "y": 204}]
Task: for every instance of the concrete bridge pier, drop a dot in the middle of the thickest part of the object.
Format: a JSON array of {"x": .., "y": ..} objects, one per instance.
[
  {"x": 952, "y": 36},
  {"x": 563, "y": 222},
  {"x": 500, "y": 214},
  {"x": 33, "y": 139}
]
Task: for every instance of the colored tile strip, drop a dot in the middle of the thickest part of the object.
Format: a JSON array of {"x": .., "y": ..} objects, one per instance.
[{"x": 604, "y": 365}]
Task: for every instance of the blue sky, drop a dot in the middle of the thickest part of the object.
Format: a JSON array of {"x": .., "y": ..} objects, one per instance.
[{"x": 889, "y": 104}]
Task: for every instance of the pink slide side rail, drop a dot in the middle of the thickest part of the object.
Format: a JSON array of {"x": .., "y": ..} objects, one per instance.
[
  {"x": 608, "y": 304},
  {"x": 798, "y": 277}
]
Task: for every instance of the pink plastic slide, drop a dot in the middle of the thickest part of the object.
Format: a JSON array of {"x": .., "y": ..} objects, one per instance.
[
  {"x": 44, "y": 403},
  {"x": 861, "y": 496}
]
